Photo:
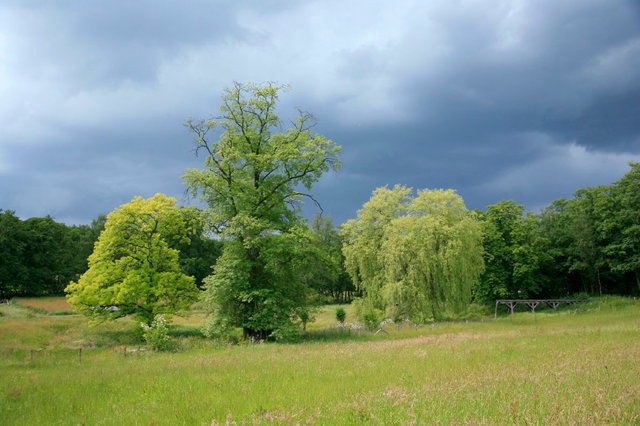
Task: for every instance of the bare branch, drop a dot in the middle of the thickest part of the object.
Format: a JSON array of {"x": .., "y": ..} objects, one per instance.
[{"x": 302, "y": 194}]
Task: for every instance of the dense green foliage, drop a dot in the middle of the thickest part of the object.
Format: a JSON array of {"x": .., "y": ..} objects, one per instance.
[
  {"x": 40, "y": 256},
  {"x": 252, "y": 179},
  {"x": 199, "y": 251},
  {"x": 512, "y": 254},
  {"x": 588, "y": 244},
  {"x": 413, "y": 257},
  {"x": 156, "y": 335},
  {"x": 133, "y": 270},
  {"x": 327, "y": 275}
]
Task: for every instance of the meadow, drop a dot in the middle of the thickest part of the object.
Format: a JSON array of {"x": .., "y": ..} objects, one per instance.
[{"x": 574, "y": 366}]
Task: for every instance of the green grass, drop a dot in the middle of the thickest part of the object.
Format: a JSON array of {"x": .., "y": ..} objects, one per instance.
[{"x": 575, "y": 366}]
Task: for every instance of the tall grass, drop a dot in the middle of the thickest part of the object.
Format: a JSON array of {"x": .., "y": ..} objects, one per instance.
[
  {"x": 45, "y": 305},
  {"x": 575, "y": 366}
]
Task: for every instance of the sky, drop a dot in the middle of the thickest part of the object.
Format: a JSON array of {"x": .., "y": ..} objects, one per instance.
[{"x": 508, "y": 99}]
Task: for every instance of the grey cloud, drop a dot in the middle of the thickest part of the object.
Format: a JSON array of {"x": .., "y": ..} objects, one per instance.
[{"x": 491, "y": 101}]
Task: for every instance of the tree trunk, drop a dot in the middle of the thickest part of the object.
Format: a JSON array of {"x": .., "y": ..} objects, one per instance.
[{"x": 256, "y": 336}]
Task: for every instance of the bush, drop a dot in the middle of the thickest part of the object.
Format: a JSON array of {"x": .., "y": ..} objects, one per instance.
[
  {"x": 341, "y": 315},
  {"x": 215, "y": 326},
  {"x": 287, "y": 333},
  {"x": 371, "y": 320},
  {"x": 157, "y": 334}
]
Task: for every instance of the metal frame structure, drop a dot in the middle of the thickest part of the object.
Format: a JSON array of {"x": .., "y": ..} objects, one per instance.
[{"x": 533, "y": 303}]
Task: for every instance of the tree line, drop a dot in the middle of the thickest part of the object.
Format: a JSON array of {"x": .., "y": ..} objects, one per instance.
[
  {"x": 587, "y": 244},
  {"x": 262, "y": 268},
  {"x": 40, "y": 256}
]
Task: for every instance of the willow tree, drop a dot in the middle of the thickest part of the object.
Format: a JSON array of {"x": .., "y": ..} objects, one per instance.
[
  {"x": 414, "y": 257},
  {"x": 363, "y": 238},
  {"x": 254, "y": 177}
]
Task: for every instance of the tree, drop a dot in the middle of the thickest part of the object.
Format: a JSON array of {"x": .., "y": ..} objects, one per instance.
[
  {"x": 414, "y": 258},
  {"x": 199, "y": 253},
  {"x": 13, "y": 240},
  {"x": 363, "y": 238},
  {"x": 500, "y": 223},
  {"x": 512, "y": 254},
  {"x": 328, "y": 275},
  {"x": 252, "y": 181},
  {"x": 621, "y": 225},
  {"x": 586, "y": 250},
  {"x": 84, "y": 238},
  {"x": 40, "y": 256},
  {"x": 132, "y": 270},
  {"x": 555, "y": 225},
  {"x": 51, "y": 256}
]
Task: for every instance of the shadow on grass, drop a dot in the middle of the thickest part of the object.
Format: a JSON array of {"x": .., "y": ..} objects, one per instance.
[
  {"x": 185, "y": 331},
  {"x": 334, "y": 335},
  {"x": 40, "y": 311},
  {"x": 107, "y": 338}
]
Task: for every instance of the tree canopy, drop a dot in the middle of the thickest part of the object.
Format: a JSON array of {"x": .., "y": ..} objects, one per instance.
[
  {"x": 414, "y": 257},
  {"x": 40, "y": 256},
  {"x": 622, "y": 226},
  {"x": 253, "y": 180},
  {"x": 512, "y": 253},
  {"x": 133, "y": 270},
  {"x": 328, "y": 275}
]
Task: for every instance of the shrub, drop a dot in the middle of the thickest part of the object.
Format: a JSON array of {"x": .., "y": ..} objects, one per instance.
[
  {"x": 371, "y": 319},
  {"x": 156, "y": 335},
  {"x": 341, "y": 315},
  {"x": 287, "y": 333},
  {"x": 215, "y": 326}
]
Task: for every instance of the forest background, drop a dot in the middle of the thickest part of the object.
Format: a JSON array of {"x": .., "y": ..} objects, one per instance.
[{"x": 587, "y": 244}]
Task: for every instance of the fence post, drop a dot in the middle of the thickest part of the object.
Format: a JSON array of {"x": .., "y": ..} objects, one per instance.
[
  {"x": 30, "y": 355},
  {"x": 80, "y": 354}
]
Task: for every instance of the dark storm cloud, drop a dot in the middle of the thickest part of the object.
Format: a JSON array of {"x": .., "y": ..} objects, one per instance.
[
  {"x": 525, "y": 99},
  {"x": 611, "y": 122}
]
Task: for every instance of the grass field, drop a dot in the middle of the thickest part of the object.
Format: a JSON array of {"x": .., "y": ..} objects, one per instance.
[
  {"x": 48, "y": 304},
  {"x": 571, "y": 367}
]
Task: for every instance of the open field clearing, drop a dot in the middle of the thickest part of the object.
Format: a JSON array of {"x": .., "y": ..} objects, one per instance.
[
  {"x": 574, "y": 366},
  {"x": 49, "y": 304},
  {"x": 45, "y": 305}
]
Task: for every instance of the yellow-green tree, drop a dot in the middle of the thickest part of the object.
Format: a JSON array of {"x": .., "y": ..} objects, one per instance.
[
  {"x": 414, "y": 257},
  {"x": 133, "y": 270}
]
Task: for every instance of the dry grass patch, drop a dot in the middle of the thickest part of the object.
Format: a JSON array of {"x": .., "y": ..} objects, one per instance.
[{"x": 50, "y": 304}]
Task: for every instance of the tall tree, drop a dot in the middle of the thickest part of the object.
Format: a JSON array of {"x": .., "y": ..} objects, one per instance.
[
  {"x": 50, "y": 257},
  {"x": 132, "y": 270},
  {"x": 555, "y": 228},
  {"x": 621, "y": 226},
  {"x": 512, "y": 254},
  {"x": 13, "y": 244},
  {"x": 252, "y": 180},
  {"x": 416, "y": 257},
  {"x": 586, "y": 251},
  {"x": 363, "y": 238}
]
